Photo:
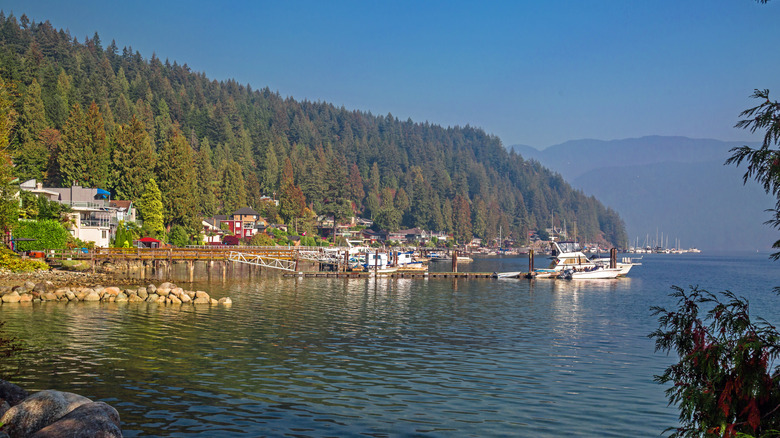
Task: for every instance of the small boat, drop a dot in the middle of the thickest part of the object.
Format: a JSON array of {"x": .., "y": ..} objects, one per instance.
[
  {"x": 464, "y": 259},
  {"x": 507, "y": 274}
]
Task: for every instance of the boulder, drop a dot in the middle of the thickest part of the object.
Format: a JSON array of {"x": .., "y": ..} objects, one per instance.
[
  {"x": 11, "y": 393},
  {"x": 50, "y": 296},
  {"x": 96, "y": 419},
  {"x": 70, "y": 296},
  {"x": 174, "y": 299},
  {"x": 226, "y": 301},
  {"x": 26, "y": 298},
  {"x": 214, "y": 302},
  {"x": 152, "y": 298},
  {"x": 29, "y": 285},
  {"x": 13, "y": 297},
  {"x": 135, "y": 299},
  {"x": 202, "y": 294},
  {"x": 41, "y": 287},
  {"x": 91, "y": 297},
  {"x": 185, "y": 298},
  {"x": 151, "y": 289},
  {"x": 201, "y": 300},
  {"x": 163, "y": 292},
  {"x": 39, "y": 410},
  {"x": 167, "y": 285},
  {"x": 142, "y": 292},
  {"x": 160, "y": 299},
  {"x": 121, "y": 297},
  {"x": 114, "y": 291}
]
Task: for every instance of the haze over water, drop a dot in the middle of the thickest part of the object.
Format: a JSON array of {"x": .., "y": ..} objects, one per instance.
[{"x": 384, "y": 357}]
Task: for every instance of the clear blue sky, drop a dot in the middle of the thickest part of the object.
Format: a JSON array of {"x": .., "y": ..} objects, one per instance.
[{"x": 530, "y": 72}]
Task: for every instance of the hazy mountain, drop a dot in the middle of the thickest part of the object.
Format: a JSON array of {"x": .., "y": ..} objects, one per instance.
[{"x": 672, "y": 185}]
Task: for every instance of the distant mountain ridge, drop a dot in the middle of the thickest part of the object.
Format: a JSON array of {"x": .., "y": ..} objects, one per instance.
[{"x": 677, "y": 186}]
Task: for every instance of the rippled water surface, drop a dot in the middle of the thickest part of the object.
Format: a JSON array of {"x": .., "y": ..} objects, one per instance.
[{"x": 383, "y": 357}]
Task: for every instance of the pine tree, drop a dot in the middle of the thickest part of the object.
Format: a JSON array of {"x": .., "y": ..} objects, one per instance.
[
  {"x": 233, "y": 189},
  {"x": 207, "y": 199},
  {"x": 150, "y": 208},
  {"x": 73, "y": 154},
  {"x": 176, "y": 172},
  {"x": 270, "y": 174},
  {"x": 461, "y": 218},
  {"x": 9, "y": 205},
  {"x": 97, "y": 153},
  {"x": 133, "y": 160},
  {"x": 292, "y": 202},
  {"x": 32, "y": 156}
]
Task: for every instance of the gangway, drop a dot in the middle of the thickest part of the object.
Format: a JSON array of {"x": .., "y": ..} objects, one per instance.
[{"x": 263, "y": 261}]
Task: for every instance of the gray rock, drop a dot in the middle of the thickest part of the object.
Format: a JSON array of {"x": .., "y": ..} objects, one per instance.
[
  {"x": 142, "y": 292},
  {"x": 121, "y": 297},
  {"x": 185, "y": 298},
  {"x": 201, "y": 300},
  {"x": 135, "y": 299},
  {"x": 89, "y": 420},
  {"x": 11, "y": 393},
  {"x": 41, "y": 287},
  {"x": 151, "y": 288},
  {"x": 167, "y": 285},
  {"x": 50, "y": 296},
  {"x": 40, "y": 410},
  {"x": 152, "y": 298},
  {"x": 70, "y": 296},
  {"x": 163, "y": 291},
  {"x": 29, "y": 285}
]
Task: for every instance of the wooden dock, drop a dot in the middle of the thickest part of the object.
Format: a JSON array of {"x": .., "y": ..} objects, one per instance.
[{"x": 417, "y": 275}]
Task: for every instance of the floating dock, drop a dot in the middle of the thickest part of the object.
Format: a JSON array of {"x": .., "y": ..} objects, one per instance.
[{"x": 418, "y": 275}]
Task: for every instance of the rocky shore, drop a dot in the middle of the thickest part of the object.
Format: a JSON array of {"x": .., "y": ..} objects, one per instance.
[
  {"x": 61, "y": 278},
  {"x": 54, "y": 414},
  {"x": 165, "y": 293}
]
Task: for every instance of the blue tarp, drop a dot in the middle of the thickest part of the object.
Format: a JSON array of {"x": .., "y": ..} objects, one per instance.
[{"x": 103, "y": 192}]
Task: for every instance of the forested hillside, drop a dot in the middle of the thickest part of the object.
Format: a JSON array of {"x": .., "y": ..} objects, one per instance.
[{"x": 106, "y": 117}]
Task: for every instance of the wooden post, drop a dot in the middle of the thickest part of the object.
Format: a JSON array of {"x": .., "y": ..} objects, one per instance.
[
  {"x": 455, "y": 261},
  {"x": 191, "y": 266},
  {"x": 376, "y": 262},
  {"x": 531, "y": 262},
  {"x": 346, "y": 259},
  {"x": 613, "y": 258}
]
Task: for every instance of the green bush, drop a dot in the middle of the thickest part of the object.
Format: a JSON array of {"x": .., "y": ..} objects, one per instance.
[{"x": 49, "y": 234}]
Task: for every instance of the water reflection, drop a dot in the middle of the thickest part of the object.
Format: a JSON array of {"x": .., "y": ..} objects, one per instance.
[{"x": 376, "y": 357}]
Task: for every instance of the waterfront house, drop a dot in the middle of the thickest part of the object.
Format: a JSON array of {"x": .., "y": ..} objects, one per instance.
[
  {"x": 91, "y": 219},
  {"x": 244, "y": 223}
]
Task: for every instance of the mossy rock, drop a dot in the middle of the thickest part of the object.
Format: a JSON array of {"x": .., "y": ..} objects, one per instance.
[{"x": 76, "y": 265}]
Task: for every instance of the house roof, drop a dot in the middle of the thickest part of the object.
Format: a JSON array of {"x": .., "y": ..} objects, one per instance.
[
  {"x": 121, "y": 204},
  {"x": 245, "y": 211},
  {"x": 148, "y": 239}
]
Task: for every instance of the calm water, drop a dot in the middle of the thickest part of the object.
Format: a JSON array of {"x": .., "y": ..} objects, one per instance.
[{"x": 335, "y": 357}]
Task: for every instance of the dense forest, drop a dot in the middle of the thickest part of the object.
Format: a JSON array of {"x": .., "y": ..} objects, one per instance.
[{"x": 106, "y": 117}]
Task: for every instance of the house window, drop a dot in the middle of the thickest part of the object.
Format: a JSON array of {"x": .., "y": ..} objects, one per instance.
[{"x": 104, "y": 234}]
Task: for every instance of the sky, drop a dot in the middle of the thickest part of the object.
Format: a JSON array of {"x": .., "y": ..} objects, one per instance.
[{"x": 530, "y": 72}]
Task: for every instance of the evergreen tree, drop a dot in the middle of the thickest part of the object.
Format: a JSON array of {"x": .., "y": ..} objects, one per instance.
[
  {"x": 461, "y": 219},
  {"x": 150, "y": 208},
  {"x": 355, "y": 190},
  {"x": 292, "y": 202},
  {"x": 176, "y": 172},
  {"x": 72, "y": 157},
  {"x": 8, "y": 203},
  {"x": 32, "y": 156},
  {"x": 207, "y": 199},
  {"x": 97, "y": 154},
  {"x": 233, "y": 189},
  {"x": 133, "y": 160},
  {"x": 270, "y": 173}
]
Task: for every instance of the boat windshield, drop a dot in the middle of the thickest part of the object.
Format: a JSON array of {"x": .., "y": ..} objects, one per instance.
[{"x": 567, "y": 246}]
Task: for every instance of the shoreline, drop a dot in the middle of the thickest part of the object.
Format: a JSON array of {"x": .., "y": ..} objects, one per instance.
[{"x": 60, "y": 278}]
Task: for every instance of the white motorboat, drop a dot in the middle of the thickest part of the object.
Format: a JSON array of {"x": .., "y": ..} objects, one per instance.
[
  {"x": 597, "y": 272},
  {"x": 567, "y": 255}
]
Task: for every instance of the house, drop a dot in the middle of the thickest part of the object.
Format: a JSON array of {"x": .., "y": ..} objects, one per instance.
[
  {"x": 93, "y": 218},
  {"x": 212, "y": 233},
  {"x": 245, "y": 222}
]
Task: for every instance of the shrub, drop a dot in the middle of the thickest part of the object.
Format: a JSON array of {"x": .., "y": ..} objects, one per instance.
[
  {"x": 49, "y": 234},
  {"x": 12, "y": 262}
]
